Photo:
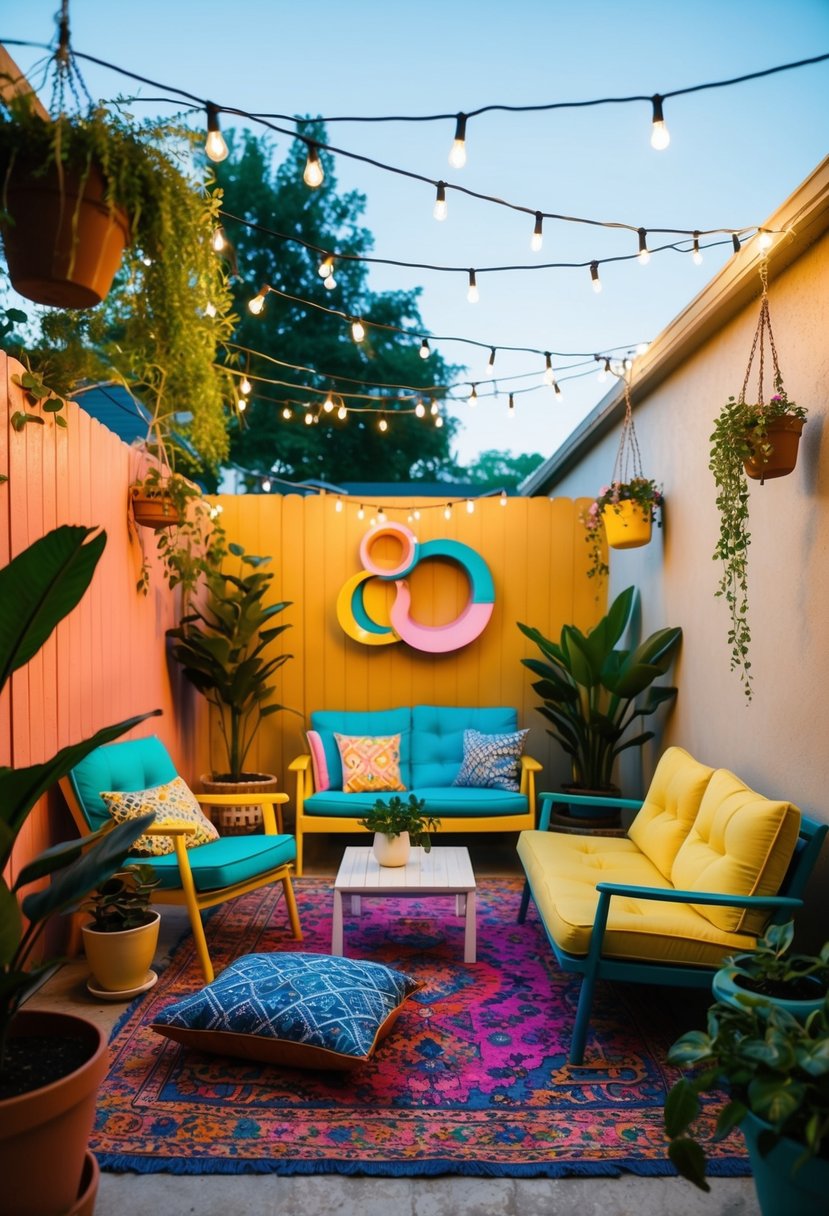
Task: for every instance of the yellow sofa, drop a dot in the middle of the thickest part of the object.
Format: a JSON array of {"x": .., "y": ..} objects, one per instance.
[{"x": 697, "y": 877}]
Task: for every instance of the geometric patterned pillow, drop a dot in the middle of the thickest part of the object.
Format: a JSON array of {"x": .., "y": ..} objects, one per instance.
[
  {"x": 174, "y": 801},
  {"x": 491, "y": 761},
  {"x": 370, "y": 762},
  {"x": 300, "y": 1010}
]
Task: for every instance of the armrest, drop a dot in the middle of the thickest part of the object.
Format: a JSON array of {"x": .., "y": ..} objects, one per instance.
[
  {"x": 271, "y": 805},
  {"x": 549, "y": 798},
  {"x": 531, "y": 764},
  {"x": 671, "y": 895},
  {"x": 304, "y": 780},
  {"x": 300, "y": 764},
  {"x": 170, "y": 829}
]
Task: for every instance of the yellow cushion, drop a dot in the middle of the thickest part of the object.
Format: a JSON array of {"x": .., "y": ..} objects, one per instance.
[
  {"x": 741, "y": 844},
  {"x": 563, "y": 871},
  {"x": 174, "y": 802},
  {"x": 370, "y": 762},
  {"x": 670, "y": 807}
]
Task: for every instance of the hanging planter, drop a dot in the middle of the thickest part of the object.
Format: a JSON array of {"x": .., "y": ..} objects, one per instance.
[
  {"x": 153, "y": 510},
  {"x": 751, "y": 439},
  {"x": 625, "y": 509}
]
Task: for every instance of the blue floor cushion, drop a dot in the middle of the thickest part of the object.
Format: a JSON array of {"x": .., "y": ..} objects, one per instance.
[{"x": 300, "y": 1010}]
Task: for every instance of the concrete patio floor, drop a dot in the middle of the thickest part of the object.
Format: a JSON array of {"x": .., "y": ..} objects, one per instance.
[{"x": 131, "y": 1194}]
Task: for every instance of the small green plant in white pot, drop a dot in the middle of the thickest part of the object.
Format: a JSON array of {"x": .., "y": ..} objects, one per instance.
[{"x": 397, "y": 826}]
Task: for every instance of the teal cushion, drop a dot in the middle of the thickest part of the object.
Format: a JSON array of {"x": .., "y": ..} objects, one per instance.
[
  {"x": 328, "y": 722},
  {"x": 437, "y": 738},
  {"x": 136, "y": 764},
  {"x": 223, "y": 862},
  {"x": 443, "y": 802}
]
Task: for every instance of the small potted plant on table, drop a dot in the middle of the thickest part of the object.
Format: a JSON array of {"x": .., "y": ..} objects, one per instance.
[
  {"x": 121, "y": 938},
  {"x": 397, "y": 827}
]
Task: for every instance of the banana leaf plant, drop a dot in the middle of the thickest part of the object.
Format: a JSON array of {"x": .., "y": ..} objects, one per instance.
[
  {"x": 38, "y": 588},
  {"x": 593, "y": 690}
]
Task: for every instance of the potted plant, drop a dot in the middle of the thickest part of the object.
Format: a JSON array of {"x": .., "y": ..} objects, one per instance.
[
  {"x": 399, "y": 826},
  {"x": 593, "y": 690},
  {"x": 220, "y": 647},
  {"x": 775, "y": 1069},
  {"x": 626, "y": 510},
  {"x": 121, "y": 938},
  {"x": 50, "y": 1063},
  {"x": 771, "y": 972}
]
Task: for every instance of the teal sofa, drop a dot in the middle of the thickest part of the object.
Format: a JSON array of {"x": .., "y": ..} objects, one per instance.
[{"x": 431, "y": 754}]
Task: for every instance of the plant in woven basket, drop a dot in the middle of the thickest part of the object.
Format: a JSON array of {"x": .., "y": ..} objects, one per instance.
[{"x": 742, "y": 434}]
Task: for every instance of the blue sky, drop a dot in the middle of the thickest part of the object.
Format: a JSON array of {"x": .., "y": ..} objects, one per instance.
[{"x": 734, "y": 155}]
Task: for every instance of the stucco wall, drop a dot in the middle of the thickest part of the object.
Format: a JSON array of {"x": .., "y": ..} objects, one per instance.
[{"x": 779, "y": 743}]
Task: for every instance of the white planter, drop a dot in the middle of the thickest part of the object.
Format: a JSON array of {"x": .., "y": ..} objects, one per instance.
[{"x": 392, "y": 850}]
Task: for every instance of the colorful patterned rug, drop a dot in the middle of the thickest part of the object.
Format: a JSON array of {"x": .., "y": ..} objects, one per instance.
[{"x": 472, "y": 1080}]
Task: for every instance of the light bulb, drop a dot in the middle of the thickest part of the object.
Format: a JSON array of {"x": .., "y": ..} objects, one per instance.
[
  {"x": 548, "y": 368},
  {"x": 537, "y": 238},
  {"x": 313, "y": 174},
  {"x": 309, "y": 418},
  {"x": 210, "y": 309},
  {"x": 326, "y": 266},
  {"x": 342, "y": 413},
  {"x": 266, "y": 485},
  {"x": 361, "y": 512},
  {"x": 472, "y": 292},
  {"x": 382, "y": 424},
  {"x": 696, "y": 256},
  {"x": 765, "y": 239},
  {"x": 735, "y": 241},
  {"x": 338, "y": 505},
  {"x": 381, "y": 516},
  {"x": 642, "y": 348},
  {"x": 425, "y": 349},
  {"x": 330, "y": 283},
  {"x": 557, "y": 389},
  {"x": 420, "y": 409},
  {"x": 438, "y": 422},
  {"x": 258, "y": 302},
  {"x": 594, "y": 276},
  {"x": 511, "y": 407},
  {"x": 358, "y": 330},
  {"x": 433, "y": 408},
  {"x": 447, "y": 511},
  {"x": 660, "y": 135},
  {"x": 603, "y": 370},
  {"x": 457, "y": 153},
  {"x": 491, "y": 360},
  {"x": 440, "y": 210},
  {"x": 472, "y": 399},
  {"x": 241, "y": 405},
  {"x": 215, "y": 146},
  {"x": 245, "y": 386},
  {"x": 416, "y": 513},
  {"x": 328, "y": 404},
  {"x": 286, "y": 413},
  {"x": 218, "y": 241},
  {"x": 470, "y": 506},
  {"x": 644, "y": 252},
  {"x": 503, "y": 498}
]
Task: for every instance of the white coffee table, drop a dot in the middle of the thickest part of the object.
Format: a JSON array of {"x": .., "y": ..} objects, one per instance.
[{"x": 442, "y": 871}]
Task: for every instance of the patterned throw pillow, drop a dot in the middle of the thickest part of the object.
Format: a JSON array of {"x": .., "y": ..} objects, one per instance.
[
  {"x": 491, "y": 761},
  {"x": 300, "y": 1010},
  {"x": 175, "y": 801},
  {"x": 370, "y": 762},
  {"x": 319, "y": 764}
]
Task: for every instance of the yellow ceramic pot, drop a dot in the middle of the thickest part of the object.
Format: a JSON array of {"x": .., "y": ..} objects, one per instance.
[
  {"x": 627, "y": 525},
  {"x": 120, "y": 962}
]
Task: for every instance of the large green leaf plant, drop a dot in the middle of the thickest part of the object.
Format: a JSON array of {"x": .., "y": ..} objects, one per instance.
[
  {"x": 593, "y": 690},
  {"x": 38, "y": 588}
]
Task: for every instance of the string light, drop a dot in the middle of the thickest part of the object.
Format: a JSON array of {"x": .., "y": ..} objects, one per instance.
[
  {"x": 735, "y": 241},
  {"x": 420, "y": 409},
  {"x": 457, "y": 153},
  {"x": 511, "y": 406},
  {"x": 470, "y": 506},
  {"x": 381, "y": 516},
  {"x": 218, "y": 240},
  {"x": 660, "y": 135},
  {"x": 548, "y": 368},
  {"x": 383, "y": 424},
  {"x": 338, "y": 505},
  {"x": 328, "y": 403},
  {"x": 441, "y": 210},
  {"x": 537, "y": 238},
  {"x": 326, "y": 266},
  {"x": 266, "y": 485},
  {"x": 594, "y": 276},
  {"x": 503, "y": 498},
  {"x": 644, "y": 253},
  {"x": 472, "y": 294},
  {"x": 557, "y": 389},
  {"x": 416, "y": 514},
  {"x": 330, "y": 283},
  {"x": 342, "y": 413},
  {"x": 425, "y": 349},
  {"x": 696, "y": 256},
  {"x": 214, "y": 146},
  {"x": 447, "y": 511},
  {"x": 241, "y": 405},
  {"x": 765, "y": 239},
  {"x": 491, "y": 360},
  {"x": 309, "y": 418},
  {"x": 472, "y": 399},
  {"x": 245, "y": 386},
  {"x": 313, "y": 174},
  {"x": 358, "y": 330},
  {"x": 361, "y": 513},
  {"x": 438, "y": 421},
  {"x": 604, "y": 370},
  {"x": 433, "y": 408},
  {"x": 287, "y": 413},
  {"x": 257, "y": 304}
]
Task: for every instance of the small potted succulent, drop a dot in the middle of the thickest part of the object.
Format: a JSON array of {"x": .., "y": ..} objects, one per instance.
[
  {"x": 398, "y": 826},
  {"x": 627, "y": 511},
  {"x": 121, "y": 938}
]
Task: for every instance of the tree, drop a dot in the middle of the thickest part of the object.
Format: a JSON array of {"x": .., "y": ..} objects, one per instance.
[
  {"x": 496, "y": 470},
  {"x": 331, "y": 449}
]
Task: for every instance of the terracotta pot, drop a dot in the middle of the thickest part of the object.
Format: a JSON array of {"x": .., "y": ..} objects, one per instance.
[
  {"x": 392, "y": 851},
  {"x": 65, "y": 245},
  {"x": 627, "y": 525},
  {"x": 239, "y": 820},
  {"x": 84, "y": 1205},
  {"x": 784, "y": 436},
  {"x": 119, "y": 962},
  {"x": 44, "y": 1134},
  {"x": 153, "y": 510}
]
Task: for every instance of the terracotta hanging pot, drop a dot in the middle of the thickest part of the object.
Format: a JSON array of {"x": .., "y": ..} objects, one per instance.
[
  {"x": 784, "y": 436},
  {"x": 63, "y": 244},
  {"x": 154, "y": 511},
  {"x": 627, "y": 524}
]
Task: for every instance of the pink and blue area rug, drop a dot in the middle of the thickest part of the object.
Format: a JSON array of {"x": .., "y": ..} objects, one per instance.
[{"x": 473, "y": 1079}]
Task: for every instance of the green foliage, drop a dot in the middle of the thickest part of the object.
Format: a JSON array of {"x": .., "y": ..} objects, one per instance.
[
  {"x": 740, "y": 434},
  {"x": 393, "y": 816},
  {"x": 195, "y": 541},
  {"x": 292, "y": 332},
  {"x": 123, "y": 901},
  {"x": 221, "y": 650},
  {"x": 38, "y": 588},
  {"x": 497, "y": 470},
  {"x": 592, "y": 691},
  {"x": 772, "y": 962},
  {"x": 769, "y": 1062}
]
